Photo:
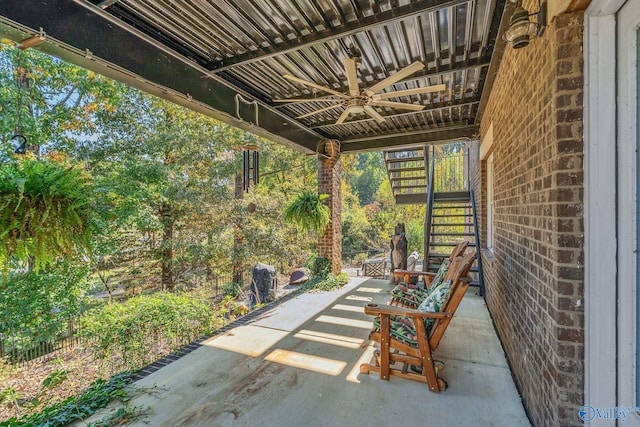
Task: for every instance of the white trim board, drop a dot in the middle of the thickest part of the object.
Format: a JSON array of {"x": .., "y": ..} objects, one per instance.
[
  {"x": 600, "y": 244},
  {"x": 627, "y": 144}
]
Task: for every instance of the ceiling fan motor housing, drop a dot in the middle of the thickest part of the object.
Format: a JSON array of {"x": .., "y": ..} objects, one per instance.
[{"x": 356, "y": 104}]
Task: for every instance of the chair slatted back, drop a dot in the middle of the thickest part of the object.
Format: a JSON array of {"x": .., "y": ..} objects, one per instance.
[{"x": 461, "y": 267}]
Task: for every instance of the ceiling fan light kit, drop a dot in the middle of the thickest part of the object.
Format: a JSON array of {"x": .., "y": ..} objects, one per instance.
[{"x": 357, "y": 101}]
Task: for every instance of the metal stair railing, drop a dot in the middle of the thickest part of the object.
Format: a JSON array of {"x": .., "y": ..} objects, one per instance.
[
  {"x": 477, "y": 237},
  {"x": 428, "y": 217}
]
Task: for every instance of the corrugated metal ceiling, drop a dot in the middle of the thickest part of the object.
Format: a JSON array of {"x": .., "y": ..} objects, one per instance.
[{"x": 252, "y": 44}]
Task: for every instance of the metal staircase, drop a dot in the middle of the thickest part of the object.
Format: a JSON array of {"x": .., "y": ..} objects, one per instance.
[
  {"x": 453, "y": 219},
  {"x": 427, "y": 175}
]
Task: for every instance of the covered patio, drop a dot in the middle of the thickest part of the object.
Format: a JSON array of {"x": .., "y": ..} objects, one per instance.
[
  {"x": 283, "y": 70},
  {"x": 297, "y": 363}
]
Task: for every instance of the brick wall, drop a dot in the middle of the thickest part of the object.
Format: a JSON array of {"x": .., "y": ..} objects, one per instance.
[
  {"x": 329, "y": 166},
  {"x": 534, "y": 279}
]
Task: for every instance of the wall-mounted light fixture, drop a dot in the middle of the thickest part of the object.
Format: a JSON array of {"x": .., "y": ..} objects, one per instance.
[{"x": 521, "y": 29}]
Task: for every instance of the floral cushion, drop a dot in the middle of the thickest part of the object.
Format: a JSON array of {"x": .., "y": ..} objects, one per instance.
[
  {"x": 403, "y": 329},
  {"x": 434, "y": 302},
  {"x": 412, "y": 295},
  {"x": 409, "y": 294},
  {"x": 442, "y": 271}
]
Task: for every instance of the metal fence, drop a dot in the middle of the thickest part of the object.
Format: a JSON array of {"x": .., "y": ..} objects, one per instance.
[{"x": 24, "y": 347}]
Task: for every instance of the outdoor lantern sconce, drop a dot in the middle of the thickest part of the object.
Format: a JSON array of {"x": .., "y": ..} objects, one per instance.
[{"x": 521, "y": 29}]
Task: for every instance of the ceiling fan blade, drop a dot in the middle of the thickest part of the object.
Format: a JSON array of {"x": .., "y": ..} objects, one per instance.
[
  {"x": 297, "y": 100},
  {"x": 352, "y": 76},
  {"x": 402, "y": 105},
  {"x": 405, "y": 72},
  {"x": 312, "y": 84},
  {"x": 343, "y": 116},
  {"x": 416, "y": 91},
  {"x": 331, "y": 107},
  {"x": 373, "y": 113}
]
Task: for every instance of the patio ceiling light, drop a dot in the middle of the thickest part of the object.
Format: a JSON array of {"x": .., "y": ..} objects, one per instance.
[{"x": 521, "y": 29}]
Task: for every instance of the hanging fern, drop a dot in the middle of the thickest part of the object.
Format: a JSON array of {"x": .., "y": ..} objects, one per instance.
[
  {"x": 307, "y": 212},
  {"x": 46, "y": 211}
]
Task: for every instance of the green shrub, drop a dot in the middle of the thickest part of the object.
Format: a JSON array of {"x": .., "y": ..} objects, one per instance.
[
  {"x": 232, "y": 289},
  {"x": 319, "y": 266},
  {"x": 328, "y": 283},
  {"x": 141, "y": 329},
  {"x": 39, "y": 300}
]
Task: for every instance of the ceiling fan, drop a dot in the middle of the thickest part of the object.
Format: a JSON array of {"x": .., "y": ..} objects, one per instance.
[{"x": 359, "y": 101}]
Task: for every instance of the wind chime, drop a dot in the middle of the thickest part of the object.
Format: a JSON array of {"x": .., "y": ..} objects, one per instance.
[
  {"x": 21, "y": 83},
  {"x": 18, "y": 135},
  {"x": 250, "y": 166}
]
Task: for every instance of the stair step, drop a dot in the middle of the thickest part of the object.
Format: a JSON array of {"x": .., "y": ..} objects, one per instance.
[
  {"x": 440, "y": 256},
  {"x": 452, "y": 202},
  {"x": 453, "y": 224},
  {"x": 475, "y": 283},
  {"x": 452, "y": 195},
  {"x": 405, "y": 159},
  {"x": 452, "y": 234},
  {"x": 451, "y": 244},
  {"x": 452, "y": 205},
  {"x": 450, "y": 215},
  {"x": 411, "y": 169}
]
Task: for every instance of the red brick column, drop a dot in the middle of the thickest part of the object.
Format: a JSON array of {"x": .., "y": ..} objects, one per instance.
[{"x": 329, "y": 165}]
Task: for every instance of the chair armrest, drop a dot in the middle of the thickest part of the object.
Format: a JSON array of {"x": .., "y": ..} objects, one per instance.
[
  {"x": 413, "y": 272},
  {"x": 381, "y": 309}
]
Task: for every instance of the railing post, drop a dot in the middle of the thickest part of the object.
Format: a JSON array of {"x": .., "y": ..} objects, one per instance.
[
  {"x": 428, "y": 216},
  {"x": 478, "y": 246}
]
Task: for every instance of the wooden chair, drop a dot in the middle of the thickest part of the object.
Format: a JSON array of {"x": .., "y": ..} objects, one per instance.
[
  {"x": 408, "y": 276},
  {"x": 411, "y": 297},
  {"x": 395, "y": 351}
]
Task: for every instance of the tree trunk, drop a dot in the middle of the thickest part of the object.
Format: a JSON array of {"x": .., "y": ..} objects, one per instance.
[{"x": 166, "y": 247}]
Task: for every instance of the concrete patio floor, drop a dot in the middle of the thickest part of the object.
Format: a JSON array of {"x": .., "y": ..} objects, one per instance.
[{"x": 297, "y": 364}]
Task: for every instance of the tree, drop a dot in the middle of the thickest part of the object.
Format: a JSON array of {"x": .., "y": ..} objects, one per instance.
[{"x": 54, "y": 104}]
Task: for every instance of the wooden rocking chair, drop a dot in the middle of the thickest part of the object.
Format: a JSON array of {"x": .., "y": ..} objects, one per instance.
[
  {"x": 404, "y": 296},
  {"x": 420, "y": 352}
]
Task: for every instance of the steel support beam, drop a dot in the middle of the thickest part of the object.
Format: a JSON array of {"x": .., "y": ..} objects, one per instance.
[
  {"x": 409, "y": 139},
  {"x": 82, "y": 34},
  {"x": 349, "y": 28}
]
